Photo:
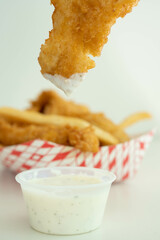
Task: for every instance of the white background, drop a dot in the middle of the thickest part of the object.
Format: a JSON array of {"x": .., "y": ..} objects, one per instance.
[{"x": 126, "y": 78}]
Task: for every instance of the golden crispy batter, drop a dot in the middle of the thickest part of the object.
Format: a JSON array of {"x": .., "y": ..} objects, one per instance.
[
  {"x": 81, "y": 28},
  {"x": 12, "y": 133},
  {"x": 31, "y": 117},
  {"x": 84, "y": 139},
  {"x": 48, "y": 102}
]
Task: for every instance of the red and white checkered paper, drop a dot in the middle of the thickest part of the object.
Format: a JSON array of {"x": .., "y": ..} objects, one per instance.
[{"x": 122, "y": 159}]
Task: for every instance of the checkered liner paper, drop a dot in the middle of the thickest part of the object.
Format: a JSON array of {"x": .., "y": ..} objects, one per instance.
[{"x": 122, "y": 159}]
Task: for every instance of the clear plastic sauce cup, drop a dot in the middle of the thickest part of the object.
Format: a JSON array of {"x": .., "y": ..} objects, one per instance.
[{"x": 65, "y": 200}]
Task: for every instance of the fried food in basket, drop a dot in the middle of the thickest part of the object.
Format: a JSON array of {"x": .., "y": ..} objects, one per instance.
[
  {"x": 12, "y": 133},
  {"x": 64, "y": 122},
  {"x": 48, "y": 102},
  {"x": 80, "y": 29},
  {"x": 19, "y": 126},
  {"x": 57, "y": 120}
]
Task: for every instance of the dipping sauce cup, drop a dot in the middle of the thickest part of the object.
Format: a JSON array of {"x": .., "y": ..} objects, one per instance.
[{"x": 65, "y": 200}]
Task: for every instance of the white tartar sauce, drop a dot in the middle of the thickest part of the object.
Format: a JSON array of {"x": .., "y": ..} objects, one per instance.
[
  {"x": 66, "y": 206},
  {"x": 67, "y": 85}
]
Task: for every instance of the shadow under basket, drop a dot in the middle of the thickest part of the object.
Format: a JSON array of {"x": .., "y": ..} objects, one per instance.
[{"x": 122, "y": 159}]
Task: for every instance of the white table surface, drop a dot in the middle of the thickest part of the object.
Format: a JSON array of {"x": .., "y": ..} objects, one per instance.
[{"x": 132, "y": 212}]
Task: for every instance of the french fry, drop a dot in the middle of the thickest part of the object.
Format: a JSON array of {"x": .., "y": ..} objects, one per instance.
[
  {"x": 101, "y": 121},
  {"x": 49, "y": 102},
  {"x": 134, "y": 118},
  {"x": 41, "y": 119}
]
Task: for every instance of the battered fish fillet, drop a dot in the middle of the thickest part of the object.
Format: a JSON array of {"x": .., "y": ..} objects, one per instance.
[
  {"x": 48, "y": 102},
  {"x": 80, "y": 29},
  {"x": 12, "y": 133}
]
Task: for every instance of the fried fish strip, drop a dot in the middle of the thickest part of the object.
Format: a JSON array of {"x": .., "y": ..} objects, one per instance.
[
  {"x": 48, "y": 102},
  {"x": 13, "y": 132},
  {"x": 57, "y": 120},
  {"x": 80, "y": 29}
]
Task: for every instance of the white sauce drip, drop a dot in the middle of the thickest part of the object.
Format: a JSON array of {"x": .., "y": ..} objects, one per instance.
[{"x": 67, "y": 85}]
